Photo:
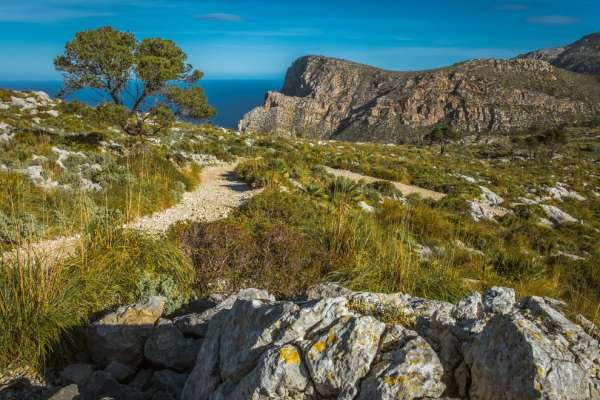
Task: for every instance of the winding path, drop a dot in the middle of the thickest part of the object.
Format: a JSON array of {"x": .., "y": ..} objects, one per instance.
[
  {"x": 407, "y": 190},
  {"x": 220, "y": 191}
]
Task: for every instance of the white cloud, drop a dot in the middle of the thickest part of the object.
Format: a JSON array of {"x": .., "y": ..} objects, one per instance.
[
  {"x": 220, "y": 17},
  {"x": 25, "y": 13},
  {"x": 553, "y": 20},
  {"x": 512, "y": 7}
]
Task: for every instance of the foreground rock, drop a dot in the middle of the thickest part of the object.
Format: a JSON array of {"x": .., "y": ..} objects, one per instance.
[
  {"x": 339, "y": 344},
  {"x": 326, "y": 98}
]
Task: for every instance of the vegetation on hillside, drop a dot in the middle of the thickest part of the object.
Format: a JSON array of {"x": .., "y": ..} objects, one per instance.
[{"x": 306, "y": 227}]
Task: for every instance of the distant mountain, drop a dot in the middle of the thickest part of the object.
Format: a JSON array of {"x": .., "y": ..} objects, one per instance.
[
  {"x": 582, "y": 56},
  {"x": 329, "y": 98}
]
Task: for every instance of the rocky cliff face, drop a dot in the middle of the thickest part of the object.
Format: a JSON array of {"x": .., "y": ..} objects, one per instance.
[
  {"x": 329, "y": 98},
  {"x": 582, "y": 56},
  {"x": 339, "y": 344}
]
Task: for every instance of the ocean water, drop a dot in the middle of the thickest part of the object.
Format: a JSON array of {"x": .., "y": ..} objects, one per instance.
[{"x": 231, "y": 98}]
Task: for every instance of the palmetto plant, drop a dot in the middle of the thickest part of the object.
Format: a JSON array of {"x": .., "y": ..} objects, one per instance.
[{"x": 343, "y": 191}]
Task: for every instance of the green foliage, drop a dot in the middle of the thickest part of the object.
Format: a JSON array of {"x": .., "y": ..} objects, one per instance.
[
  {"x": 18, "y": 228},
  {"x": 115, "y": 62},
  {"x": 99, "y": 59},
  {"x": 189, "y": 102},
  {"x": 343, "y": 191},
  {"x": 441, "y": 134},
  {"x": 41, "y": 304},
  {"x": 113, "y": 114}
]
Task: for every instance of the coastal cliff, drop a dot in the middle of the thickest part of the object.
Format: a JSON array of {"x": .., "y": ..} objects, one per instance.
[{"x": 327, "y": 98}]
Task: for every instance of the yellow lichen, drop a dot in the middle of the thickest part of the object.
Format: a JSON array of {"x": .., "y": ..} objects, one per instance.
[
  {"x": 319, "y": 346},
  {"x": 289, "y": 355}
]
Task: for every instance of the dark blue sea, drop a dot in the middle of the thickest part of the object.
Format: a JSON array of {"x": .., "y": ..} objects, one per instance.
[{"x": 231, "y": 98}]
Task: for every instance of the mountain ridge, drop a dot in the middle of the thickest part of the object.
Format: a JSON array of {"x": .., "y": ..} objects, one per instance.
[{"x": 330, "y": 98}]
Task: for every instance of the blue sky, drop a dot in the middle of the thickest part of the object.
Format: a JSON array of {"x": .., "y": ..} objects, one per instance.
[{"x": 260, "y": 38}]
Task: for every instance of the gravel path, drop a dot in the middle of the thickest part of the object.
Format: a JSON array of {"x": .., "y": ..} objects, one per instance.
[
  {"x": 406, "y": 190},
  {"x": 220, "y": 191},
  {"x": 410, "y": 189}
]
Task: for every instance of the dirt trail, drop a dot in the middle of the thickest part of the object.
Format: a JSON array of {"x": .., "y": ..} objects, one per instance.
[
  {"x": 407, "y": 190},
  {"x": 219, "y": 192}
]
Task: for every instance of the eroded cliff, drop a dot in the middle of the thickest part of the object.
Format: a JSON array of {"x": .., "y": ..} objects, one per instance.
[{"x": 334, "y": 99}]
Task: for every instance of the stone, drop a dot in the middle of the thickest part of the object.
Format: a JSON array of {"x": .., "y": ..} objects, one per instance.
[
  {"x": 499, "y": 300},
  {"x": 340, "y": 356},
  {"x": 366, "y": 208},
  {"x": 102, "y": 385},
  {"x": 558, "y": 216},
  {"x": 279, "y": 374},
  {"x": 478, "y": 212},
  {"x": 120, "y": 336},
  {"x": 536, "y": 353},
  {"x": 142, "y": 379},
  {"x": 169, "y": 381},
  {"x": 53, "y": 113},
  {"x": 410, "y": 371},
  {"x": 469, "y": 309},
  {"x": 489, "y": 197},
  {"x": 120, "y": 372},
  {"x": 168, "y": 348},
  {"x": 326, "y": 290},
  {"x": 70, "y": 392},
  {"x": 77, "y": 373},
  {"x": 192, "y": 325}
]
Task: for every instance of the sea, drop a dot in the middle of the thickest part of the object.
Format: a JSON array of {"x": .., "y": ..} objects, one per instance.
[{"x": 231, "y": 98}]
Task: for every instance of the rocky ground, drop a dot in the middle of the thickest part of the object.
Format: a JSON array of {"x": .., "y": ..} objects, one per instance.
[
  {"x": 219, "y": 192},
  {"x": 334, "y": 343}
]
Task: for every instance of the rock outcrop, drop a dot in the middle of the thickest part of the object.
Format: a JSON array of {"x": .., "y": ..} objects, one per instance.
[
  {"x": 326, "y": 98},
  {"x": 339, "y": 344},
  {"x": 582, "y": 56}
]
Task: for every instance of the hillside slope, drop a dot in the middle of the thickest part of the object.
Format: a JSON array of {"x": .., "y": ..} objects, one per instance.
[
  {"x": 329, "y": 98},
  {"x": 583, "y": 56}
]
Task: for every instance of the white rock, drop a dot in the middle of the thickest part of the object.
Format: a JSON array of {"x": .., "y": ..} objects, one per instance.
[
  {"x": 42, "y": 95},
  {"x": 560, "y": 192},
  {"x": 6, "y": 137},
  {"x": 558, "y": 216},
  {"x": 339, "y": 357},
  {"x": 53, "y": 113},
  {"x": 467, "y": 178},
  {"x": 365, "y": 207},
  {"x": 489, "y": 197},
  {"x": 478, "y": 212}
]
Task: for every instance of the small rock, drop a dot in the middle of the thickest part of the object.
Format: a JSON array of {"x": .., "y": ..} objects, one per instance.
[
  {"x": 489, "y": 197},
  {"x": 120, "y": 336},
  {"x": 77, "y": 373},
  {"x": 70, "y": 392},
  {"x": 168, "y": 348},
  {"x": 169, "y": 381},
  {"x": 120, "y": 372},
  {"x": 558, "y": 216},
  {"x": 366, "y": 208},
  {"x": 499, "y": 300}
]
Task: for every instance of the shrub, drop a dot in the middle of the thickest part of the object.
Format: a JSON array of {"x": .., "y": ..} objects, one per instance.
[
  {"x": 18, "y": 228},
  {"x": 229, "y": 255},
  {"x": 514, "y": 265},
  {"x": 42, "y": 301}
]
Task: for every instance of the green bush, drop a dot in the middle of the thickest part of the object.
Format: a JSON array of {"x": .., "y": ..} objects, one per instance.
[{"x": 42, "y": 301}]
